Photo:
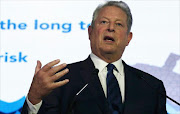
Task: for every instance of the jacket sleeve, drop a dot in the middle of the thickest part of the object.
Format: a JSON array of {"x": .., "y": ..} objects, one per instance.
[
  {"x": 25, "y": 108},
  {"x": 161, "y": 108}
]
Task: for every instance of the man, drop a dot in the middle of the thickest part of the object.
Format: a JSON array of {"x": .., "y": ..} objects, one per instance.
[{"x": 103, "y": 83}]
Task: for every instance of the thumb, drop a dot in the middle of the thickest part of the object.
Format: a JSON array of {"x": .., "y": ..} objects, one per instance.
[{"x": 38, "y": 66}]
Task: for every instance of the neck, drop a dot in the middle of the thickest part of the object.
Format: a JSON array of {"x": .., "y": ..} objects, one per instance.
[{"x": 109, "y": 58}]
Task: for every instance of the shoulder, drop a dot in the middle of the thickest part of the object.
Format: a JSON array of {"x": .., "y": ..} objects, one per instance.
[
  {"x": 84, "y": 64},
  {"x": 75, "y": 65},
  {"x": 142, "y": 75}
]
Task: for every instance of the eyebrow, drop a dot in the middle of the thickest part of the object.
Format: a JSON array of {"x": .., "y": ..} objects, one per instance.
[{"x": 108, "y": 18}]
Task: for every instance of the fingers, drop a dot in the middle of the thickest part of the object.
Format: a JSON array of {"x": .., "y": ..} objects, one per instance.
[
  {"x": 38, "y": 66},
  {"x": 60, "y": 83},
  {"x": 55, "y": 69},
  {"x": 59, "y": 74},
  {"x": 50, "y": 65},
  {"x": 50, "y": 72},
  {"x": 45, "y": 80}
]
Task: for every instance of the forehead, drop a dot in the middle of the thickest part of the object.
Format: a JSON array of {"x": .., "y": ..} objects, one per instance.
[{"x": 112, "y": 12}]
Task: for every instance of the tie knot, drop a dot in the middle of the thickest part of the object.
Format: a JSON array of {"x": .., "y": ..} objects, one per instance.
[{"x": 110, "y": 67}]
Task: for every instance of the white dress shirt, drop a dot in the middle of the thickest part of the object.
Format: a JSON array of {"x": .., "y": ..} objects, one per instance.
[
  {"x": 33, "y": 109},
  {"x": 101, "y": 66},
  {"x": 119, "y": 73}
]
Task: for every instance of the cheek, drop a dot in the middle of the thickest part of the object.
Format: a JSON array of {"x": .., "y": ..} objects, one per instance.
[
  {"x": 122, "y": 39},
  {"x": 97, "y": 34},
  {"x": 100, "y": 30}
]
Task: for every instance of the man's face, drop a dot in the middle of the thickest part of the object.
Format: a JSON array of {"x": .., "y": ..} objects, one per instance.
[{"x": 109, "y": 33}]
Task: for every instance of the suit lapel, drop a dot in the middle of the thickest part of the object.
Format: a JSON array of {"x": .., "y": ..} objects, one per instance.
[
  {"x": 128, "y": 82},
  {"x": 130, "y": 85},
  {"x": 91, "y": 77}
]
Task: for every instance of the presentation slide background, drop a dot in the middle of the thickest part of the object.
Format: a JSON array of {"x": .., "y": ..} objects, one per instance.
[{"x": 155, "y": 37}]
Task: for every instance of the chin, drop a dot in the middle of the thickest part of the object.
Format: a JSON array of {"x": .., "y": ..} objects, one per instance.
[{"x": 108, "y": 51}]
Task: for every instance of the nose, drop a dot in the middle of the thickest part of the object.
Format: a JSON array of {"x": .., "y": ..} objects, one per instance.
[{"x": 111, "y": 27}]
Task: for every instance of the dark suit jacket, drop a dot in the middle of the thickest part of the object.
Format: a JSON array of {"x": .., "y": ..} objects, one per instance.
[{"x": 140, "y": 97}]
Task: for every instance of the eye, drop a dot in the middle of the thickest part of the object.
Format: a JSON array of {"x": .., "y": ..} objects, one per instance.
[
  {"x": 118, "y": 24},
  {"x": 104, "y": 22}
]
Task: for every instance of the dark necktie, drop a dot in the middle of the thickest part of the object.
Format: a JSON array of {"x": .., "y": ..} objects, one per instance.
[{"x": 113, "y": 91}]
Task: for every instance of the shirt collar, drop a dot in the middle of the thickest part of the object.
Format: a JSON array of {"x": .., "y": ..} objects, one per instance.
[{"x": 101, "y": 64}]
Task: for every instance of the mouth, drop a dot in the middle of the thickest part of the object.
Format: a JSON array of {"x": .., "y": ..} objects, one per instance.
[{"x": 109, "y": 39}]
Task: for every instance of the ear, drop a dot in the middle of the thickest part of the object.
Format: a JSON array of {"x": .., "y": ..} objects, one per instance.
[
  {"x": 130, "y": 35},
  {"x": 89, "y": 31}
]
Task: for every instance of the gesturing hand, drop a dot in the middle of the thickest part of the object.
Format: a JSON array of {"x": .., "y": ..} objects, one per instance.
[{"x": 44, "y": 80}]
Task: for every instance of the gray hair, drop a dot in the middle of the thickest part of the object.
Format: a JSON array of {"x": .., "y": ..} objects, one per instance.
[{"x": 120, "y": 4}]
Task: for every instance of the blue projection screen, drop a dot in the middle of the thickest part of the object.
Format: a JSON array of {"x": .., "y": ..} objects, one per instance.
[{"x": 45, "y": 30}]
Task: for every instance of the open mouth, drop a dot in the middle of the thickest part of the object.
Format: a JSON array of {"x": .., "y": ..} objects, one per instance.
[{"x": 108, "y": 38}]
